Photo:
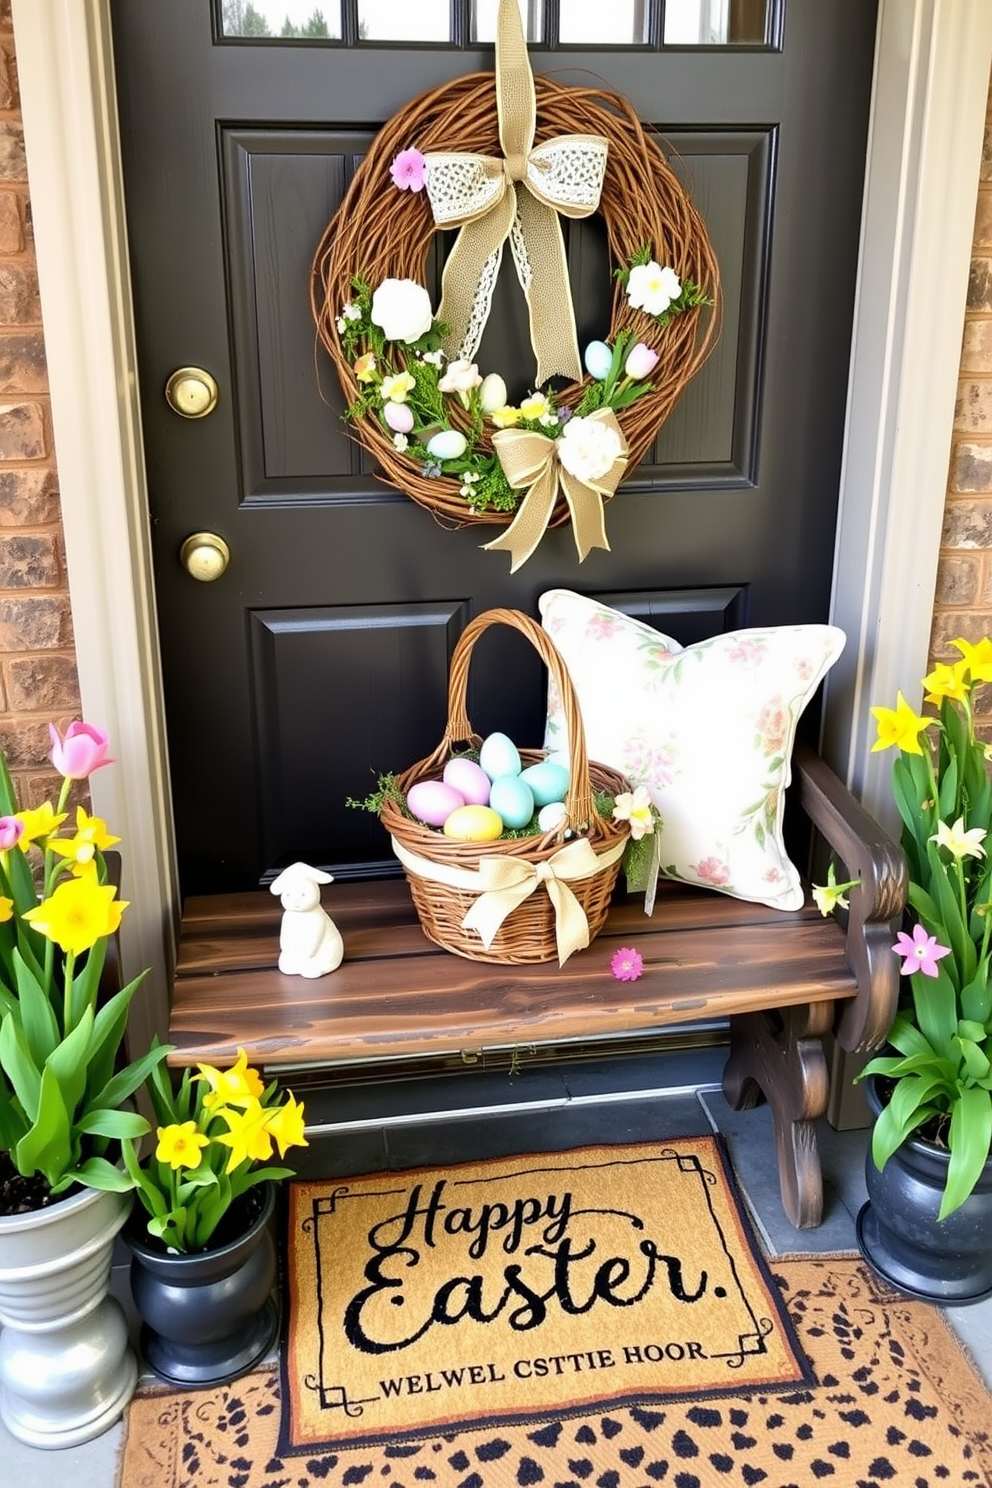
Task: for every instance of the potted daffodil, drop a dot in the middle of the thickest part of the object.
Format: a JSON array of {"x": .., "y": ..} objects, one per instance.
[
  {"x": 203, "y": 1261},
  {"x": 64, "y": 1093},
  {"x": 928, "y": 1223}
]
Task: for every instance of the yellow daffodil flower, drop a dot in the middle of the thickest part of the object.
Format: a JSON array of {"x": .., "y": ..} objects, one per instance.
[
  {"x": 900, "y": 726},
  {"x": 832, "y": 895},
  {"x": 396, "y": 388},
  {"x": 286, "y": 1125},
  {"x": 91, "y": 834},
  {"x": 505, "y": 418},
  {"x": 78, "y": 914},
  {"x": 39, "y": 822},
  {"x": 247, "y": 1135},
  {"x": 947, "y": 682},
  {"x": 6, "y": 909},
  {"x": 181, "y": 1145},
  {"x": 959, "y": 843},
  {"x": 237, "y": 1086},
  {"x": 534, "y": 406},
  {"x": 977, "y": 659}
]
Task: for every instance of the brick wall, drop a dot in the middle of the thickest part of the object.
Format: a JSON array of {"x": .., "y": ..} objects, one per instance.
[
  {"x": 38, "y": 681},
  {"x": 963, "y": 603}
]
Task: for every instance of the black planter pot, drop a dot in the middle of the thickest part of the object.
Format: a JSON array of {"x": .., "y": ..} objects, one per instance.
[
  {"x": 209, "y": 1317},
  {"x": 948, "y": 1262}
]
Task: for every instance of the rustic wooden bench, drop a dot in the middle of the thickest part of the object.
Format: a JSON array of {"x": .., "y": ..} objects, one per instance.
[{"x": 782, "y": 979}]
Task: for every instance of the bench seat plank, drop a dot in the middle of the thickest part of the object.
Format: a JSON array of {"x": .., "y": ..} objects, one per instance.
[{"x": 396, "y": 995}]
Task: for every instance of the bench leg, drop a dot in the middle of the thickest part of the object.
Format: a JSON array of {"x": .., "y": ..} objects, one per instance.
[{"x": 778, "y": 1054}]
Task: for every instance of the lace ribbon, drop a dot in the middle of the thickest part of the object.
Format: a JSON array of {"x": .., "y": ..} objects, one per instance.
[{"x": 519, "y": 196}]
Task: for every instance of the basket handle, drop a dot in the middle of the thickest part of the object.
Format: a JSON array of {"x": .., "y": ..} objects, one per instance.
[{"x": 579, "y": 803}]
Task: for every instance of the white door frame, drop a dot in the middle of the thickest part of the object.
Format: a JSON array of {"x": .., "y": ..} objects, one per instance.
[{"x": 924, "y": 153}]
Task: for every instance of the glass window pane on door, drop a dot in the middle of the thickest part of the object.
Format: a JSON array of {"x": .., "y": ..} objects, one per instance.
[
  {"x": 282, "y": 20},
  {"x": 404, "y": 20},
  {"x": 620, "y": 23},
  {"x": 482, "y": 19},
  {"x": 715, "y": 22}
]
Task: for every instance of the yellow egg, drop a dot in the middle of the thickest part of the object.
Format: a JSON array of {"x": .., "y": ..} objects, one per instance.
[{"x": 474, "y": 824}]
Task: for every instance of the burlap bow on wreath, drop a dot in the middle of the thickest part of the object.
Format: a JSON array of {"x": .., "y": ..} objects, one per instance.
[
  {"x": 516, "y": 197},
  {"x": 528, "y": 152}
]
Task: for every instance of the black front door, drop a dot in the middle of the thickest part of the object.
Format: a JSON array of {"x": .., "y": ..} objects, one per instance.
[{"x": 319, "y": 657}]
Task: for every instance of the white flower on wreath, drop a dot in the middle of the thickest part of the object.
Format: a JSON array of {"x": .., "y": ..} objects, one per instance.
[
  {"x": 588, "y": 449},
  {"x": 461, "y": 377},
  {"x": 400, "y": 443},
  {"x": 401, "y": 308},
  {"x": 652, "y": 288}
]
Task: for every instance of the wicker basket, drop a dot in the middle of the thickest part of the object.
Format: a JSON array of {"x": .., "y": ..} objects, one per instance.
[{"x": 443, "y": 873}]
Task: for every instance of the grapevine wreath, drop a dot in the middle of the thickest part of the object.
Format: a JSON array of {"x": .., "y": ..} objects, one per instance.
[{"x": 501, "y": 156}]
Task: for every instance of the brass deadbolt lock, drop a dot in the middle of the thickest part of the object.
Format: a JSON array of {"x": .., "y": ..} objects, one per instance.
[
  {"x": 191, "y": 392},
  {"x": 204, "y": 556}
]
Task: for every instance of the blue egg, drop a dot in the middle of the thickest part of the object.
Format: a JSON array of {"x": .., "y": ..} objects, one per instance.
[
  {"x": 499, "y": 756},
  {"x": 598, "y": 359},
  {"x": 548, "y": 780},
  {"x": 512, "y": 800}
]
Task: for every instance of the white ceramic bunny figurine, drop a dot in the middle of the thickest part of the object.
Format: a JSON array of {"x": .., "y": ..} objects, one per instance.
[{"x": 309, "y": 942}]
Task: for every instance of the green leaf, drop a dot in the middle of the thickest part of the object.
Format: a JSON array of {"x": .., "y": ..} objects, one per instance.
[
  {"x": 38, "y": 1022},
  {"x": 20, "y": 1069},
  {"x": 976, "y": 997},
  {"x": 68, "y": 1063},
  {"x": 969, "y": 1139},
  {"x": 86, "y": 982},
  {"x": 127, "y": 1081},
  {"x": 935, "y": 1003},
  {"x": 108, "y": 1035},
  {"x": 116, "y": 1124},
  {"x": 925, "y": 907},
  {"x": 47, "y": 1146},
  {"x": 949, "y": 792},
  {"x": 97, "y": 1172}
]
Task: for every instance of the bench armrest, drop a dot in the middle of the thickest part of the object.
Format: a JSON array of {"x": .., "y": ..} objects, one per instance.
[{"x": 870, "y": 855}]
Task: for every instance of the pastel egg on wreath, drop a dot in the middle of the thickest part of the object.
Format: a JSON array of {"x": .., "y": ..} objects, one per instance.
[
  {"x": 432, "y": 801},
  {"x": 598, "y": 360},
  {"x": 513, "y": 800},
  {"x": 474, "y": 824},
  {"x": 450, "y": 444},
  {"x": 548, "y": 781},
  {"x": 399, "y": 417},
  {"x": 469, "y": 779},
  {"x": 551, "y": 816},
  {"x": 499, "y": 756}
]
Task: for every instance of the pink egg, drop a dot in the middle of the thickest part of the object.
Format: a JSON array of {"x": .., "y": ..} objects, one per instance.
[
  {"x": 469, "y": 779},
  {"x": 432, "y": 801}
]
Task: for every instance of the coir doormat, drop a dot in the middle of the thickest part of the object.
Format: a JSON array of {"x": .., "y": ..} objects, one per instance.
[
  {"x": 522, "y": 1289},
  {"x": 896, "y": 1403}
]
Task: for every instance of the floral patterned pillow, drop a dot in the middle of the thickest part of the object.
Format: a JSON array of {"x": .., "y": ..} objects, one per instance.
[{"x": 708, "y": 730}]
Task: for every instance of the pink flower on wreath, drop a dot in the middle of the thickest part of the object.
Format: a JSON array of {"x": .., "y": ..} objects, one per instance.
[
  {"x": 626, "y": 964},
  {"x": 920, "y": 952},
  {"x": 408, "y": 170},
  {"x": 713, "y": 870}
]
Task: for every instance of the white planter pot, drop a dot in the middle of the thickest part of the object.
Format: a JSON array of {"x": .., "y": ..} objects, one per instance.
[{"x": 66, "y": 1372}]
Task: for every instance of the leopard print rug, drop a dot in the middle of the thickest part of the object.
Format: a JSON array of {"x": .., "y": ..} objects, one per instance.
[{"x": 896, "y": 1404}]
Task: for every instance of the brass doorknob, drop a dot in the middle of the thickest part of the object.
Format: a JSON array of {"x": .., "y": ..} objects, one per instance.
[
  {"x": 204, "y": 556},
  {"x": 191, "y": 392}
]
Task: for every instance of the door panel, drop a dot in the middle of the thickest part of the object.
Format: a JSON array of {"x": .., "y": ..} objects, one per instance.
[{"x": 319, "y": 658}]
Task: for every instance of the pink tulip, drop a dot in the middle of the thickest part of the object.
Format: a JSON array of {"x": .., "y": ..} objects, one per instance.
[
  {"x": 83, "y": 750},
  {"x": 11, "y": 831},
  {"x": 398, "y": 416},
  {"x": 641, "y": 361}
]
